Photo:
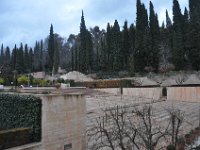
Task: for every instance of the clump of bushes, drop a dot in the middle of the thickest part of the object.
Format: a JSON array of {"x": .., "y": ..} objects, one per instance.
[{"x": 21, "y": 111}]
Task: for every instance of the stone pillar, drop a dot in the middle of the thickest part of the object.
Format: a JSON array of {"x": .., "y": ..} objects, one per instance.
[{"x": 63, "y": 122}]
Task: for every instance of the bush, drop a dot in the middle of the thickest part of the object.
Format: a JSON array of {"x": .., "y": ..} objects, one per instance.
[
  {"x": 22, "y": 79},
  {"x": 171, "y": 147},
  {"x": 14, "y": 137},
  {"x": 19, "y": 111}
]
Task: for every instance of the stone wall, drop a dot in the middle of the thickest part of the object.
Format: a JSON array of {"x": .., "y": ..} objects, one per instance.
[
  {"x": 190, "y": 94},
  {"x": 63, "y": 123},
  {"x": 154, "y": 93}
]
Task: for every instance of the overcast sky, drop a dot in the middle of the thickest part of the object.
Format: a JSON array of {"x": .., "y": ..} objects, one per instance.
[{"x": 29, "y": 20}]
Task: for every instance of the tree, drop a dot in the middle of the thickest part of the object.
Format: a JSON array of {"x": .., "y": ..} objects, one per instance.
[
  {"x": 56, "y": 57},
  {"x": 134, "y": 127},
  {"x": 194, "y": 34},
  {"x": 109, "y": 48},
  {"x": 142, "y": 37},
  {"x": 117, "y": 47},
  {"x": 20, "y": 59},
  {"x": 2, "y": 55},
  {"x": 7, "y": 56},
  {"x": 153, "y": 54},
  {"x": 26, "y": 59},
  {"x": 125, "y": 52},
  {"x": 178, "y": 46},
  {"x": 86, "y": 48},
  {"x": 51, "y": 48}
]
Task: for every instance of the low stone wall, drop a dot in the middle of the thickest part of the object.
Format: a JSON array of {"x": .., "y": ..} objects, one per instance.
[
  {"x": 190, "y": 94},
  {"x": 154, "y": 93},
  {"x": 110, "y": 90},
  {"x": 63, "y": 123}
]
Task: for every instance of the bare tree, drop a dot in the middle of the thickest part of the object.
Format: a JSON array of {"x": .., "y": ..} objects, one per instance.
[
  {"x": 132, "y": 128},
  {"x": 180, "y": 78},
  {"x": 176, "y": 120}
]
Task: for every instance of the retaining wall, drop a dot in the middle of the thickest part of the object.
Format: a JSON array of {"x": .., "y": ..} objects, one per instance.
[
  {"x": 190, "y": 94},
  {"x": 63, "y": 123}
]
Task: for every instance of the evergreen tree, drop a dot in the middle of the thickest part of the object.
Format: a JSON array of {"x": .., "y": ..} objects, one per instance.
[
  {"x": 168, "y": 20},
  {"x": 26, "y": 59},
  {"x": 51, "y": 48},
  {"x": 7, "y": 56},
  {"x": 178, "y": 46},
  {"x": 56, "y": 57},
  {"x": 20, "y": 60},
  {"x": 86, "y": 48},
  {"x": 117, "y": 46},
  {"x": 31, "y": 59},
  {"x": 14, "y": 58},
  {"x": 41, "y": 56},
  {"x": 141, "y": 43},
  {"x": 153, "y": 54},
  {"x": 36, "y": 57},
  {"x": 126, "y": 45},
  {"x": 132, "y": 48},
  {"x": 2, "y": 56},
  {"x": 109, "y": 48},
  {"x": 194, "y": 34}
]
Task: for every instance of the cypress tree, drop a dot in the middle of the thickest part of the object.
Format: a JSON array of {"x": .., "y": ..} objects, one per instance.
[
  {"x": 153, "y": 54},
  {"x": 109, "y": 48},
  {"x": 14, "y": 57},
  {"x": 26, "y": 59},
  {"x": 51, "y": 48},
  {"x": 20, "y": 60},
  {"x": 141, "y": 43},
  {"x": 7, "y": 56},
  {"x": 31, "y": 59},
  {"x": 117, "y": 54},
  {"x": 56, "y": 57},
  {"x": 126, "y": 45},
  {"x": 2, "y": 56},
  {"x": 178, "y": 46},
  {"x": 194, "y": 34},
  {"x": 85, "y": 49}
]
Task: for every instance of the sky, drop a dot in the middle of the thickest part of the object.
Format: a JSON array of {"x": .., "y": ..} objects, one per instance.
[{"x": 29, "y": 20}]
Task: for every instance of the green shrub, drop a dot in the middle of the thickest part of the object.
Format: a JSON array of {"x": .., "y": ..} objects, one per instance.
[
  {"x": 21, "y": 111},
  {"x": 14, "y": 137}
]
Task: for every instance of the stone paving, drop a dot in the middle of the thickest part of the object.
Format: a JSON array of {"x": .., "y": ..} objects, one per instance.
[{"x": 95, "y": 103}]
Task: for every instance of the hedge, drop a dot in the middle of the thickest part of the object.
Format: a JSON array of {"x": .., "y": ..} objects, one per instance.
[
  {"x": 106, "y": 83},
  {"x": 21, "y": 111},
  {"x": 14, "y": 137}
]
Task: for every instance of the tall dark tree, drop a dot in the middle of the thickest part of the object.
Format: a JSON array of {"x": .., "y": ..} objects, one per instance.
[
  {"x": 117, "y": 46},
  {"x": 125, "y": 45},
  {"x": 56, "y": 57},
  {"x": 31, "y": 59},
  {"x": 194, "y": 34},
  {"x": 26, "y": 59},
  {"x": 168, "y": 20},
  {"x": 153, "y": 54},
  {"x": 7, "y": 56},
  {"x": 85, "y": 49},
  {"x": 20, "y": 59},
  {"x": 178, "y": 46},
  {"x": 14, "y": 57},
  {"x": 109, "y": 48},
  {"x": 2, "y": 55},
  {"x": 51, "y": 48},
  {"x": 142, "y": 36}
]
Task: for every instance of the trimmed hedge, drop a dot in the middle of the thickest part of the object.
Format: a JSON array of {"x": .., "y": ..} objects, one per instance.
[
  {"x": 106, "y": 83},
  {"x": 21, "y": 111},
  {"x": 14, "y": 137}
]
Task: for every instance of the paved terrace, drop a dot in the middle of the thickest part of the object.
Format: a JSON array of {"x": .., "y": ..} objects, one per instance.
[{"x": 97, "y": 101}]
